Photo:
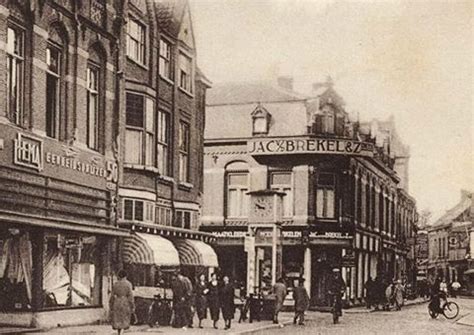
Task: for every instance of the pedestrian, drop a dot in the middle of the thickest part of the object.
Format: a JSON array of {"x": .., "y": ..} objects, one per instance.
[
  {"x": 336, "y": 289},
  {"x": 435, "y": 304},
  {"x": 301, "y": 298},
  {"x": 369, "y": 292},
  {"x": 398, "y": 292},
  {"x": 227, "y": 301},
  {"x": 121, "y": 304},
  {"x": 280, "y": 291},
  {"x": 201, "y": 299},
  {"x": 213, "y": 299},
  {"x": 455, "y": 286},
  {"x": 388, "y": 296},
  {"x": 179, "y": 305},
  {"x": 188, "y": 301}
]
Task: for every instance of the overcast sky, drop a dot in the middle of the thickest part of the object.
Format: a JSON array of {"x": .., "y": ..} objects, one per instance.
[{"x": 410, "y": 59}]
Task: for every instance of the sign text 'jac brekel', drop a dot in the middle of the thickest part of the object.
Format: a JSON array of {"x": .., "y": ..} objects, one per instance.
[{"x": 307, "y": 145}]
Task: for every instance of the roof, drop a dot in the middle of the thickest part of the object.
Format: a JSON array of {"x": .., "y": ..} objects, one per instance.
[
  {"x": 169, "y": 14},
  {"x": 454, "y": 212},
  {"x": 251, "y": 92}
]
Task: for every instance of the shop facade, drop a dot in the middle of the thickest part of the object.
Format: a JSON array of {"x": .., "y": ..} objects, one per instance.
[{"x": 342, "y": 205}]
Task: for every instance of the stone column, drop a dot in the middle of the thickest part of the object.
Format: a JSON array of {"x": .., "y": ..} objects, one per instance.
[{"x": 307, "y": 270}]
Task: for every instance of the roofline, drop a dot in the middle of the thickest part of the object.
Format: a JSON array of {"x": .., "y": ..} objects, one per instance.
[{"x": 256, "y": 102}]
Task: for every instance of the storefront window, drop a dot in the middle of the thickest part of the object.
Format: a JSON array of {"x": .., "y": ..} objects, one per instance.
[
  {"x": 15, "y": 270},
  {"x": 71, "y": 270}
]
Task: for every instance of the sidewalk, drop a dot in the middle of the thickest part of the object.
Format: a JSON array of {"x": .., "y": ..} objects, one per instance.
[
  {"x": 355, "y": 310},
  {"x": 286, "y": 318}
]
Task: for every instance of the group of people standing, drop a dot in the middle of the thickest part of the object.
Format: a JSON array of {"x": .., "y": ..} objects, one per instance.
[
  {"x": 382, "y": 294},
  {"x": 215, "y": 295}
]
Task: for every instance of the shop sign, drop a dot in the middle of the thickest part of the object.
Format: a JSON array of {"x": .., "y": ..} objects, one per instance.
[
  {"x": 330, "y": 235},
  {"x": 229, "y": 234},
  {"x": 28, "y": 152},
  {"x": 304, "y": 145}
]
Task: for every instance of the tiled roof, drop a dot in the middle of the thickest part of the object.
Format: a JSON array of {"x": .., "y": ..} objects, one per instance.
[
  {"x": 169, "y": 14},
  {"x": 252, "y": 92},
  {"x": 454, "y": 212}
]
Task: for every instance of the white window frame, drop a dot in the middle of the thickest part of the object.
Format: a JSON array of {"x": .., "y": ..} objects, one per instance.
[
  {"x": 93, "y": 92},
  {"x": 165, "y": 68},
  {"x": 136, "y": 45},
  {"x": 163, "y": 143},
  {"x": 15, "y": 69},
  {"x": 183, "y": 214},
  {"x": 324, "y": 211},
  {"x": 242, "y": 199},
  {"x": 184, "y": 145},
  {"x": 288, "y": 204},
  {"x": 148, "y": 210},
  {"x": 186, "y": 76},
  {"x": 54, "y": 130},
  {"x": 164, "y": 215}
]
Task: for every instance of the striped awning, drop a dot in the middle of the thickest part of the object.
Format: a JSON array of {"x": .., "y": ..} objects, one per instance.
[
  {"x": 149, "y": 249},
  {"x": 196, "y": 253}
]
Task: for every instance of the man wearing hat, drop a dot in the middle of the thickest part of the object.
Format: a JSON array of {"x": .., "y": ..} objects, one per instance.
[
  {"x": 337, "y": 286},
  {"x": 300, "y": 295}
]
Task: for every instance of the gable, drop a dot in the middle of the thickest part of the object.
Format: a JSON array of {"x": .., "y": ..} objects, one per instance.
[{"x": 186, "y": 34}]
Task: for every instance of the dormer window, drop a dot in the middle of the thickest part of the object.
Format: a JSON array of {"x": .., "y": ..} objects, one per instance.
[
  {"x": 260, "y": 120},
  {"x": 329, "y": 121}
]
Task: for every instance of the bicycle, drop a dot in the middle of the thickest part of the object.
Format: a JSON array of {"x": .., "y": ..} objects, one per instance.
[{"x": 449, "y": 309}]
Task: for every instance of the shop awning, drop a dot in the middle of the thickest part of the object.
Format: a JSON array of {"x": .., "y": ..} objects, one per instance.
[
  {"x": 469, "y": 272},
  {"x": 196, "y": 253},
  {"x": 149, "y": 249}
]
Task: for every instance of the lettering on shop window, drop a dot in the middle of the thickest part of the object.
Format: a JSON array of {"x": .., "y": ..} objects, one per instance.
[{"x": 308, "y": 145}]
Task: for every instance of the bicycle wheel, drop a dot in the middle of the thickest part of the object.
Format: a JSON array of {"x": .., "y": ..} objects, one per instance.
[{"x": 450, "y": 310}]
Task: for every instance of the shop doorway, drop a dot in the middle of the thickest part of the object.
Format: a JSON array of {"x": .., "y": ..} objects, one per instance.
[{"x": 323, "y": 262}]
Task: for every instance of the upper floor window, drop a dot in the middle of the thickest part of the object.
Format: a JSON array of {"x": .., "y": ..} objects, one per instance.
[
  {"x": 183, "y": 151},
  {"x": 165, "y": 59},
  {"x": 53, "y": 90},
  {"x": 162, "y": 146},
  {"x": 15, "y": 74},
  {"x": 281, "y": 181},
  {"x": 260, "y": 120},
  {"x": 140, "y": 132},
  {"x": 183, "y": 219},
  {"x": 163, "y": 215},
  {"x": 93, "y": 86},
  {"x": 136, "y": 41},
  {"x": 185, "y": 72},
  {"x": 325, "y": 196},
  {"x": 237, "y": 197},
  {"x": 138, "y": 210}
]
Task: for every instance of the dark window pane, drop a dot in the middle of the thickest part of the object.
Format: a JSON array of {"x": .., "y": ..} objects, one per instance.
[
  {"x": 128, "y": 210},
  {"x": 139, "y": 210},
  {"x": 135, "y": 110},
  {"x": 326, "y": 179}
]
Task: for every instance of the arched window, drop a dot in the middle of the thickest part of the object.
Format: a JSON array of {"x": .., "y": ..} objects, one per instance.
[
  {"x": 95, "y": 97},
  {"x": 237, "y": 187},
  {"x": 55, "y": 93}
]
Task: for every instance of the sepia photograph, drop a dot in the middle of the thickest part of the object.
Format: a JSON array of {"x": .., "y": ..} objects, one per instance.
[{"x": 248, "y": 167}]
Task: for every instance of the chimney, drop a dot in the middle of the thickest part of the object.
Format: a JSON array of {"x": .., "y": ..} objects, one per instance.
[{"x": 285, "y": 82}]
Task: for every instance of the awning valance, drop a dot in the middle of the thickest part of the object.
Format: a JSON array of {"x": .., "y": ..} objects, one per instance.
[
  {"x": 149, "y": 249},
  {"x": 469, "y": 272},
  {"x": 196, "y": 253}
]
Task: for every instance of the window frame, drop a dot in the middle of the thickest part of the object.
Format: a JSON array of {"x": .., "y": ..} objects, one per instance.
[
  {"x": 184, "y": 147},
  {"x": 139, "y": 55},
  {"x": 325, "y": 188},
  {"x": 241, "y": 191},
  {"x": 93, "y": 67},
  {"x": 16, "y": 60},
  {"x": 188, "y": 77},
  {"x": 148, "y": 210},
  {"x": 165, "y": 61},
  {"x": 163, "y": 141},
  {"x": 167, "y": 213},
  {"x": 282, "y": 188},
  {"x": 53, "y": 130},
  {"x": 145, "y": 133},
  {"x": 182, "y": 213}
]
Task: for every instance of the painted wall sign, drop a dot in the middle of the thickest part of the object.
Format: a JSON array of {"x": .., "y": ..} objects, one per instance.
[
  {"x": 303, "y": 145},
  {"x": 28, "y": 152}
]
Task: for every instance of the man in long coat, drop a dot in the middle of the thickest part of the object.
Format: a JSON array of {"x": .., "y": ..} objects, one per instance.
[
  {"x": 179, "y": 298},
  {"x": 280, "y": 294},
  {"x": 300, "y": 295}
]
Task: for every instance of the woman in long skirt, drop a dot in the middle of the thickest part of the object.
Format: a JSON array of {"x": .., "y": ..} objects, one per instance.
[
  {"x": 121, "y": 303},
  {"x": 213, "y": 299},
  {"x": 227, "y": 302},
  {"x": 201, "y": 299}
]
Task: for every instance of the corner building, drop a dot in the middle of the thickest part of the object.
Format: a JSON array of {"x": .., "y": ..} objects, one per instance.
[{"x": 344, "y": 206}]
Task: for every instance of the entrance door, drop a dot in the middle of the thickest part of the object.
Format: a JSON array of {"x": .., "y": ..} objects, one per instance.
[{"x": 323, "y": 261}]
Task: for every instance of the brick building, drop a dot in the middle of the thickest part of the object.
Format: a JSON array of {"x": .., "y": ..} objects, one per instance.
[
  {"x": 345, "y": 204},
  {"x": 100, "y": 127}
]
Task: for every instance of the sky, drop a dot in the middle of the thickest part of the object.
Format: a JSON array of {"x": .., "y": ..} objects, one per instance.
[{"x": 409, "y": 59}]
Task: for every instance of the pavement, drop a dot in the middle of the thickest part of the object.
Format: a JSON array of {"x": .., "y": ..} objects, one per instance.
[{"x": 363, "y": 309}]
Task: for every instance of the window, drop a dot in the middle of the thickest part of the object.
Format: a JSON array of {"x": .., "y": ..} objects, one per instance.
[
  {"x": 93, "y": 107},
  {"x": 183, "y": 219},
  {"x": 15, "y": 77},
  {"x": 138, "y": 210},
  {"x": 281, "y": 181},
  {"x": 185, "y": 72},
  {"x": 260, "y": 120},
  {"x": 324, "y": 120},
  {"x": 140, "y": 133},
  {"x": 165, "y": 60},
  {"x": 163, "y": 215},
  {"x": 136, "y": 41},
  {"x": 260, "y": 124},
  {"x": 237, "y": 197},
  {"x": 183, "y": 152},
  {"x": 53, "y": 75},
  {"x": 325, "y": 196},
  {"x": 162, "y": 147}
]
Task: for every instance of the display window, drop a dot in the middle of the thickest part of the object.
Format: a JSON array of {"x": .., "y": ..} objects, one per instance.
[{"x": 71, "y": 270}]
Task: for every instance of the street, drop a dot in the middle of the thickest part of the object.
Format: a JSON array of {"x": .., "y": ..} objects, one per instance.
[{"x": 410, "y": 320}]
